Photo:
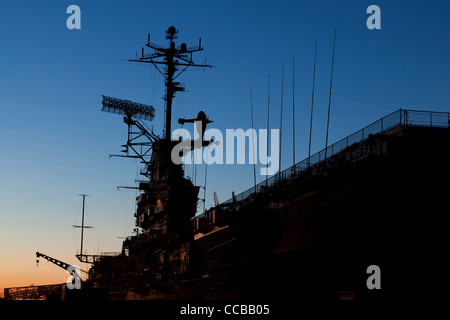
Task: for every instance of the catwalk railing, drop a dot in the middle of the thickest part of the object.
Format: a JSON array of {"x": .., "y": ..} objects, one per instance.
[
  {"x": 400, "y": 117},
  {"x": 33, "y": 292}
]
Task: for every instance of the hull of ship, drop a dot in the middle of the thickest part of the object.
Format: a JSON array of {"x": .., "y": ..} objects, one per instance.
[
  {"x": 315, "y": 236},
  {"x": 388, "y": 210}
]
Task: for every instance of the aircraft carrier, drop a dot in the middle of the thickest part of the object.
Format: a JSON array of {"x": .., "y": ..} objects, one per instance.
[{"x": 310, "y": 232}]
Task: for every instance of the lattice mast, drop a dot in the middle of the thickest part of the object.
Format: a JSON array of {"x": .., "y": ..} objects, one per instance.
[{"x": 171, "y": 58}]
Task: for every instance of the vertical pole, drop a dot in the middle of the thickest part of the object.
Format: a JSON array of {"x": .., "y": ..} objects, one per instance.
[
  {"x": 312, "y": 106},
  {"x": 204, "y": 193},
  {"x": 82, "y": 225},
  {"x": 329, "y": 98},
  {"x": 293, "y": 112},
  {"x": 281, "y": 119},
  {"x": 253, "y": 139},
  {"x": 268, "y": 128},
  {"x": 169, "y": 95},
  {"x": 170, "y": 91}
]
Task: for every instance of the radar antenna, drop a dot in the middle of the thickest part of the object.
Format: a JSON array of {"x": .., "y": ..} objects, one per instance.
[
  {"x": 140, "y": 141},
  {"x": 128, "y": 108}
]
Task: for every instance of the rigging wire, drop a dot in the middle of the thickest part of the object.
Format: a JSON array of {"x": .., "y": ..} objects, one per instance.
[
  {"x": 306, "y": 108},
  {"x": 312, "y": 105},
  {"x": 324, "y": 91},
  {"x": 329, "y": 99}
]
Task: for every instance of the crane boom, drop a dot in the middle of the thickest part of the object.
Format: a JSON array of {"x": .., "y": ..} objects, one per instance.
[{"x": 59, "y": 263}]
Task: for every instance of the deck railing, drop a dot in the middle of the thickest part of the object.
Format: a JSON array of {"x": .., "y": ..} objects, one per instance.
[{"x": 400, "y": 117}]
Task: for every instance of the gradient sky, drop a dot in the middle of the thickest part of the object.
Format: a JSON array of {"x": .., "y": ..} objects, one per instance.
[{"x": 55, "y": 141}]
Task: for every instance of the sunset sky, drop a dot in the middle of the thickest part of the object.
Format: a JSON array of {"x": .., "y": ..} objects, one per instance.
[{"x": 56, "y": 141}]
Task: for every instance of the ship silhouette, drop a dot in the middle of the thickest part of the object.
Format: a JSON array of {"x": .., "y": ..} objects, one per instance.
[{"x": 310, "y": 232}]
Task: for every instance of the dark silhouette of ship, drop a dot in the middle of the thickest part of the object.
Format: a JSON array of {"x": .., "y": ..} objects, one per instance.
[{"x": 377, "y": 197}]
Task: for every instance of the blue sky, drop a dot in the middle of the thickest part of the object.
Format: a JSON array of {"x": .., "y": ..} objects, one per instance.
[{"x": 56, "y": 142}]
